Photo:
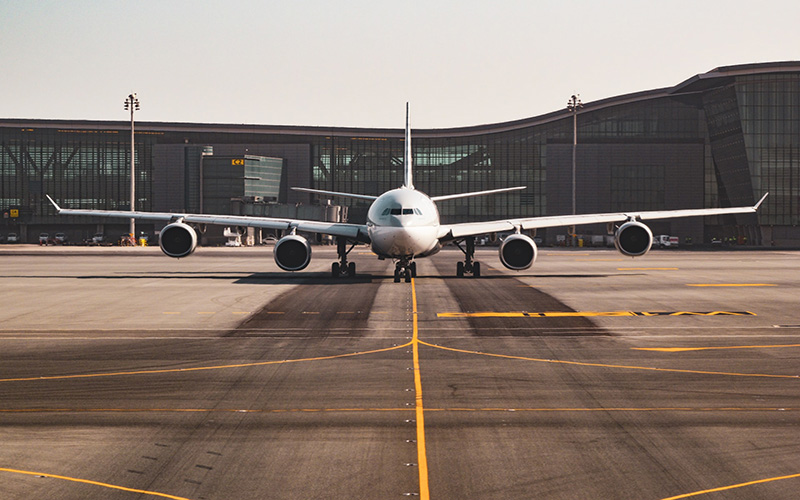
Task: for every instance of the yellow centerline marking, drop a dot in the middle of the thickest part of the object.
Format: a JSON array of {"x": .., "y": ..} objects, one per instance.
[
  {"x": 204, "y": 368},
  {"x": 603, "y": 365},
  {"x": 422, "y": 456},
  {"x": 730, "y": 284},
  {"x": 683, "y": 349},
  {"x": 732, "y": 486},
  {"x": 93, "y": 483}
]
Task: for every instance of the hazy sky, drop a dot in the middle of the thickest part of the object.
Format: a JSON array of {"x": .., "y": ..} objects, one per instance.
[{"x": 356, "y": 63}]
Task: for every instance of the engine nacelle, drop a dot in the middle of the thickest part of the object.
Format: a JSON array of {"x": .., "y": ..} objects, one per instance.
[
  {"x": 518, "y": 252},
  {"x": 178, "y": 240},
  {"x": 292, "y": 253},
  {"x": 633, "y": 239}
]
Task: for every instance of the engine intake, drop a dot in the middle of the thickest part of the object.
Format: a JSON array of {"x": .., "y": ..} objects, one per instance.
[
  {"x": 292, "y": 253},
  {"x": 633, "y": 239},
  {"x": 177, "y": 240},
  {"x": 518, "y": 252}
]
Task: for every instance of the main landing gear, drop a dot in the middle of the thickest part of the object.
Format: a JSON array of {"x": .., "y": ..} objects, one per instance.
[
  {"x": 405, "y": 269},
  {"x": 343, "y": 268},
  {"x": 468, "y": 266}
]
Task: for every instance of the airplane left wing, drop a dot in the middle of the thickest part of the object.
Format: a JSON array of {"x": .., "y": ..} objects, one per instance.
[
  {"x": 448, "y": 232},
  {"x": 351, "y": 231}
]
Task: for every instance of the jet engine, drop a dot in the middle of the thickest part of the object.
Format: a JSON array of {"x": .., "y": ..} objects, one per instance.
[
  {"x": 518, "y": 252},
  {"x": 178, "y": 240},
  {"x": 292, "y": 253},
  {"x": 633, "y": 239}
]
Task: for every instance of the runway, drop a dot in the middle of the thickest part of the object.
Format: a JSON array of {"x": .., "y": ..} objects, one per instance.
[{"x": 126, "y": 374}]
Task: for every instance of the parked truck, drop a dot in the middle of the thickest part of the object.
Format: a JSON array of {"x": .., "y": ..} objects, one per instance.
[{"x": 665, "y": 241}]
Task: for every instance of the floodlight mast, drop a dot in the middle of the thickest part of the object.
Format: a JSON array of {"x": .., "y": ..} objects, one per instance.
[
  {"x": 573, "y": 106},
  {"x": 132, "y": 104}
]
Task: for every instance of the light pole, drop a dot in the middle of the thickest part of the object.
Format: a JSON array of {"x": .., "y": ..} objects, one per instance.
[
  {"x": 574, "y": 105},
  {"x": 132, "y": 104}
]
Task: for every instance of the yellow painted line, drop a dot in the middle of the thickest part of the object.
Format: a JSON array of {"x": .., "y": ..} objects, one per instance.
[
  {"x": 599, "y": 260},
  {"x": 584, "y": 314},
  {"x": 206, "y": 312},
  {"x": 310, "y": 312},
  {"x": 733, "y": 486},
  {"x": 171, "y": 312},
  {"x": 240, "y": 312},
  {"x": 205, "y": 368},
  {"x": 647, "y": 269},
  {"x": 93, "y": 483},
  {"x": 603, "y": 365},
  {"x": 569, "y": 254},
  {"x": 422, "y": 455},
  {"x": 683, "y": 349},
  {"x": 275, "y": 312},
  {"x": 729, "y": 284},
  {"x": 346, "y": 312}
]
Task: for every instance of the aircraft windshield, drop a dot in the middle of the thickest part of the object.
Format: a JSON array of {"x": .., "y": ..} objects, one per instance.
[{"x": 402, "y": 211}]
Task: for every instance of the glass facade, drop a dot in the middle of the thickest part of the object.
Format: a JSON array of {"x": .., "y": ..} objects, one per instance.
[{"x": 722, "y": 138}]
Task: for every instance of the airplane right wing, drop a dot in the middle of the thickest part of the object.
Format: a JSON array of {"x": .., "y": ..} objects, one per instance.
[{"x": 449, "y": 232}]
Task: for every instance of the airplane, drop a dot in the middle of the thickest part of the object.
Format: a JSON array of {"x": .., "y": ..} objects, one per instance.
[{"x": 403, "y": 225}]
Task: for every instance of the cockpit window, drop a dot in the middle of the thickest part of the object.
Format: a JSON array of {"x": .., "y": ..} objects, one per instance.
[{"x": 401, "y": 211}]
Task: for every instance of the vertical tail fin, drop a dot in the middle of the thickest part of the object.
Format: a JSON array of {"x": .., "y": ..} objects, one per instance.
[{"x": 408, "y": 181}]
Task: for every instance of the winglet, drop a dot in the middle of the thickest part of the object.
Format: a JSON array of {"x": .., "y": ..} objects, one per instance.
[
  {"x": 755, "y": 207},
  {"x": 58, "y": 209}
]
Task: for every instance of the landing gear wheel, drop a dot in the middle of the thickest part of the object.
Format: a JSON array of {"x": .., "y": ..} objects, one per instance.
[
  {"x": 413, "y": 268},
  {"x": 335, "y": 270},
  {"x": 351, "y": 270},
  {"x": 476, "y": 270},
  {"x": 397, "y": 275},
  {"x": 460, "y": 269}
]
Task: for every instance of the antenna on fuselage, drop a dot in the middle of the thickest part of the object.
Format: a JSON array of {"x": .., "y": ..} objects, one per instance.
[{"x": 408, "y": 181}]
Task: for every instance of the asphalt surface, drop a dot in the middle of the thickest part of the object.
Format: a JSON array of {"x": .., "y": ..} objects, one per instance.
[{"x": 125, "y": 374}]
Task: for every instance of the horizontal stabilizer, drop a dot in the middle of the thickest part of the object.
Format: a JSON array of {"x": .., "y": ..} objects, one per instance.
[
  {"x": 335, "y": 193},
  {"x": 476, "y": 193}
]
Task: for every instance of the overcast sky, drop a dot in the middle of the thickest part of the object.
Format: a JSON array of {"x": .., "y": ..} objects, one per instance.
[{"x": 356, "y": 63}]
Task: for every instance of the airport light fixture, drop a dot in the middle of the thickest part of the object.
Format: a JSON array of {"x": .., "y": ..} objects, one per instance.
[
  {"x": 573, "y": 106},
  {"x": 132, "y": 104}
]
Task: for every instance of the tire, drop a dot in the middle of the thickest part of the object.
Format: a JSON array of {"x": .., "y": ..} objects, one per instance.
[
  {"x": 460, "y": 269},
  {"x": 351, "y": 270},
  {"x": 335, "y": 269},
  {"x": 476, "y": 270}
]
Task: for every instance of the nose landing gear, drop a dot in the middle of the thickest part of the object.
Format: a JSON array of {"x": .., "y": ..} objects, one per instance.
[{"x": 405, "y": 269}]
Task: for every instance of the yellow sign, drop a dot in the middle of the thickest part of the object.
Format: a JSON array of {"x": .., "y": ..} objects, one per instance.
[
  {"x": 14, "y": 213},
  {"x": 237, "y": 161}
]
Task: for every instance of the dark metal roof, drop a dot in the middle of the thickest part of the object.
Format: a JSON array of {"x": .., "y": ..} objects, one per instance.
[{"x": 716, "y": 77}]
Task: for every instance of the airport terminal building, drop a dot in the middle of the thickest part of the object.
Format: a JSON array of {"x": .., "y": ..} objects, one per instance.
[{"x": 718, "y": 139}]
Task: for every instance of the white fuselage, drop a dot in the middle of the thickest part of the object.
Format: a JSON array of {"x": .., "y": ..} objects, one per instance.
[{"x": 403, "y": 223}]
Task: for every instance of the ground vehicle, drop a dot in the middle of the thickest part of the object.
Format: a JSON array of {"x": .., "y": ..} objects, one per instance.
[
  {"x": 98, "y": 238},
  {"x": 665, "y": 241},
  {"x": 12, "y": 238},
  {"x": 60, "y": 238},
  {"x": 44, "y": 238}
]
